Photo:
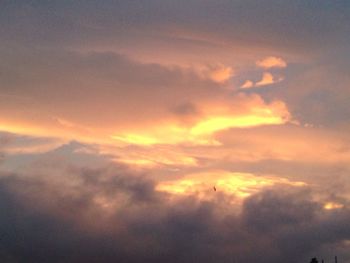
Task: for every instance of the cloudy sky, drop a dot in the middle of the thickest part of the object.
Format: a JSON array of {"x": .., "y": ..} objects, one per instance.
[{"x": 119, "y": 118}]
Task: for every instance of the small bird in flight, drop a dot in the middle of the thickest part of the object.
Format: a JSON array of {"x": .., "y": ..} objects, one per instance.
[{"x": 214, "y": 188}]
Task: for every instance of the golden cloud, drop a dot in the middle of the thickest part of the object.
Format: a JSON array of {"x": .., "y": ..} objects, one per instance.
[{"x": 215, "y": 118}]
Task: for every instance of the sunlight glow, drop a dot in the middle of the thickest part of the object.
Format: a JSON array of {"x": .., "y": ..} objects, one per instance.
[
  {"x": 215, "y": 124},
  {"x": 239, "y": 184},
  {"x": 332, "y": 205}
]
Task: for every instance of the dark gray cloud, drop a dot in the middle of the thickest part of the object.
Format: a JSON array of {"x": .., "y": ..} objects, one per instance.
[{"x": 62, "y": 217}]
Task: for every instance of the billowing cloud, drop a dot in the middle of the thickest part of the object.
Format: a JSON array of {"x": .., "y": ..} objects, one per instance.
[{"x": 110, "y": 214}]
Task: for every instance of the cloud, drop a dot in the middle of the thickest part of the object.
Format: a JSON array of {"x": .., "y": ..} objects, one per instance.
[
  {"x": 186, "y": 108},
  {"x": 310, "y": 92},
  {"x": 99, "y": 85},
  {"x": 88, "y": 25},
  {"x": 247, "y": 84},
  {"x": 291, "y": 143},
  {"x": 271, "y": 62},
  {"x": 98, "y": 108},
  {"x": 140, "y": 101},
  {"x": 214, "y": 117},
  {"x": 111, "y": 98},
  {"x": 21, "y": 144},
  {"x": 240, "y": 185},
  {"x": 221, "y": 74},
  {"x": 113, "y": 214},
  {"x": 267, "y": 79}
]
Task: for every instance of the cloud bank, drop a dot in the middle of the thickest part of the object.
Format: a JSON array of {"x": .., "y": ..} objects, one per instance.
[{"x": 112, "y": 214}]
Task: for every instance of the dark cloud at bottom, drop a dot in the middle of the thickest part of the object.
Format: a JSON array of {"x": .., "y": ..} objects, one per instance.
[{"x": 56, "y": 218}]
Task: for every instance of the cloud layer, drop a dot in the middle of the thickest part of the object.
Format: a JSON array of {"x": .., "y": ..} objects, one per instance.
[{"x": 119, "y": 216}]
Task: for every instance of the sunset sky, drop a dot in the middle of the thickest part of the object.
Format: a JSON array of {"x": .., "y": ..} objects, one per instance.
[{"x": 119, "y": 118}]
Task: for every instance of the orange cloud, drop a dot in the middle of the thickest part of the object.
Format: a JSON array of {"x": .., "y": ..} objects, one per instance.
[
  {"x": 271, "y": 62},
  {"x": 221, "y": 74},
  {"x": 267, "y": 79},
  {"x": 248, "y": 84}
]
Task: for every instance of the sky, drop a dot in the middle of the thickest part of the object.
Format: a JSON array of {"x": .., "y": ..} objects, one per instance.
[{"x": 119, "y": 119}]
